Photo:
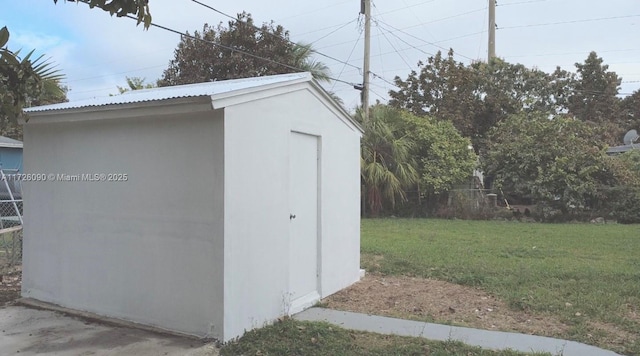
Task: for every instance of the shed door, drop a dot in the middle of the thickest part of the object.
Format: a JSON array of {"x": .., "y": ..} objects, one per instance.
[{"x": 303, "y": 233}]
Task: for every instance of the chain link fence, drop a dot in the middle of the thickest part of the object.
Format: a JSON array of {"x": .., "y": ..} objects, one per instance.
[{"x": 10, "y": 222}]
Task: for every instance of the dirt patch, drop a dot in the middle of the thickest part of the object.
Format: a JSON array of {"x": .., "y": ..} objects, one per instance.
[
  {"x": 10, "y": 284},
  {"x": 438, "y": 301}
]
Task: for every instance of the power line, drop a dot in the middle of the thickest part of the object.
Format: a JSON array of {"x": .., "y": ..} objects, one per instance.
[
  {"x": 407, "y": 7},
  {"x": 381, "y": 29},
  {"x": 519, "y": 2},
  {"x": 426, "y": 23},
  {"x": 260, "y": 29},
  {"x": 315, "y": 10},
  {"x": 384, "y": 80},
  {"x": 569, "y": 22},
  {"x": 232, "y": 49},
  {"x": 263, "y": 31},
  {"x": 215, "y": 10},
  {"x": 350, "y": 54},
  {"x": 420, "y": 39},
  {"x": 334, "y": 31},
  {"x": 324, "y": 28},
  {"x": 394, "y": 47},
  {"x": 570, "y": 53}
]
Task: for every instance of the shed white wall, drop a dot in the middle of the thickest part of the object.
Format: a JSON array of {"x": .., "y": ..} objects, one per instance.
[
  {"x": 148, "y": 250},
  {"x": 257, "y": 204}
]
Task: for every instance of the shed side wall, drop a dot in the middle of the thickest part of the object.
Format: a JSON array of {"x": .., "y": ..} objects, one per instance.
[
  {"x": 257, "y": 205},
  {"x": 149, "y": 249}
]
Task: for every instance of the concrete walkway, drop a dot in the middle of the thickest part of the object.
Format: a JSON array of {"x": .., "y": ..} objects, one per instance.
[
  {"x": 27, "y": 331},
  {"x": 496, "y": 340}
]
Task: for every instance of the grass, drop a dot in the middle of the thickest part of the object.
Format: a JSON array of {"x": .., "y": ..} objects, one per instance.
[
  {"x": 290, "y": 337},
  {"x": 534, "y": 267}
]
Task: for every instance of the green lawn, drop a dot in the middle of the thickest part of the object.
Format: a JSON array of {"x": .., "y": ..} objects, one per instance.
[
  {"x": 533, "y": 267},
  {"x": 290, "y": 337}
]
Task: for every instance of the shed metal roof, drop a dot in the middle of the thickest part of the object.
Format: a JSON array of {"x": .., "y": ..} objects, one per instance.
[
  {"x": 181, "y": 91},
  {"x": 9, "y": 142}
]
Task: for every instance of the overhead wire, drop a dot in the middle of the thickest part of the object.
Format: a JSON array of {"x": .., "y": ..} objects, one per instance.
[
  {"x": 405, "y": 42},
  {"x": 265, "y": 32},
  {"x": 394, "y": 47},
  {"x": 426, "y": 23},
  {"x": 248, "y": 54},
  {"x": 518, "y": 3},
  {"x": 350, "y": 54},
  {"x": 569, "y": 22},
  {"x": 334, "y": 31},
  {"x": 427, "y": 42},
  {"x": 345, "y": 63}
]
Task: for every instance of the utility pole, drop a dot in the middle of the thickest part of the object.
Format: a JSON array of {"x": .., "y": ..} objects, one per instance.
[
  {"x": 492, "y": 30},
  {"x": 365, "y": 8}
]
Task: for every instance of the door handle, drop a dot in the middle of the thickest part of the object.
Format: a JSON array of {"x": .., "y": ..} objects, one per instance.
[{"x": 291, "y": 216}]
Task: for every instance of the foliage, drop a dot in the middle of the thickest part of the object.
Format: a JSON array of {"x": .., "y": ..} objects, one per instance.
[
  {"x": 24, "y": 82},
  {"x": 594, "y": 98},
  {"x": 292, "y": 337},
  {"x": 506, "y": 89},
  {"x": 387, "y": 167},
  {"x": 630, "y": 111},
  {"x": 553, "y": 161},
  {"x": 479, "y": 96},
  {"x": 632, "y": 159},
  {"x": 120, "y": 8},
  {"x": 402, "y": 151},
  {"x": 301, "y": 53},
  {"x": 474, "y": 98},
  {"x": 135, "y": 83},
  {"x": 219, "y": 53},
  {"x": 443, "y": 156},
  {"x": 623, "y": 201},
  {"x": 530, "y": 266},
  {"x": 625, "y": 204},
  {"x": 444, "y": 89}
]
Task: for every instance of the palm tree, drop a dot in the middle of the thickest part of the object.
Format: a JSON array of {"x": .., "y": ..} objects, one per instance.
[
  {"x": 302, "y": 59},
  {"x": 23, "y": 80},
  {"x": 387, "y": 167}
]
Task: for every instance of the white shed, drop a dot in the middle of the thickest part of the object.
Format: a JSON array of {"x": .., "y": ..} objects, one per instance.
[{"x": 207, "y": 209}]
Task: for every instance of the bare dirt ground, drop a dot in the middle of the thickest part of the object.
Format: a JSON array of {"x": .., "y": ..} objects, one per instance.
[
  {"x": 10, "y": 283},
  {"x": 438, "y": 301},
  {"x": 443, "y": 302},
  {"x": 426, "y": 300}
]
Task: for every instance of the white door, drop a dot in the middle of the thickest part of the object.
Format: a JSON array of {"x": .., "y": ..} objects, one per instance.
[{"x": 303, "y": 221}]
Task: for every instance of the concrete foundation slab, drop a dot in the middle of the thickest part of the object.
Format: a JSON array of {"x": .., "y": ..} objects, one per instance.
[{"x": 28, "y": 331}]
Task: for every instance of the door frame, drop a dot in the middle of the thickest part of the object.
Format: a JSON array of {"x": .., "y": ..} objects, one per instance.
[{"x": 306, "y": 301}]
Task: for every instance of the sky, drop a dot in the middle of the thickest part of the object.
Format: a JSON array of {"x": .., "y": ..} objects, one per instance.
[{"x": 96, "y": 52}]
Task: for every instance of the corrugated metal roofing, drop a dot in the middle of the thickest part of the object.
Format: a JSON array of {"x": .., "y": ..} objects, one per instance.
[
  {"x": 180, "y": 91},
  {"x": 9, "y": 142}
]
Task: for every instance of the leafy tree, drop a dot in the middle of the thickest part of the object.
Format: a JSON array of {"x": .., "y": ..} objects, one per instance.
[
  {"x": 630, "y": 111},
  {"x": 443, "y": 156},
  {"x": 137, "y": 8},
  {"x": 24, "y": 82},
  {"x": 222, "y": 58},
  {"x": 506, "y": 89},
  {"x": 594, "y": 98},
  {"x": 476, "y": 97},
  {"x": 387, "y": 167},
  {"x": 135, "y": 83},
  {"x": 444, "y": 89},
  {"x": 554, "y": 161}
]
